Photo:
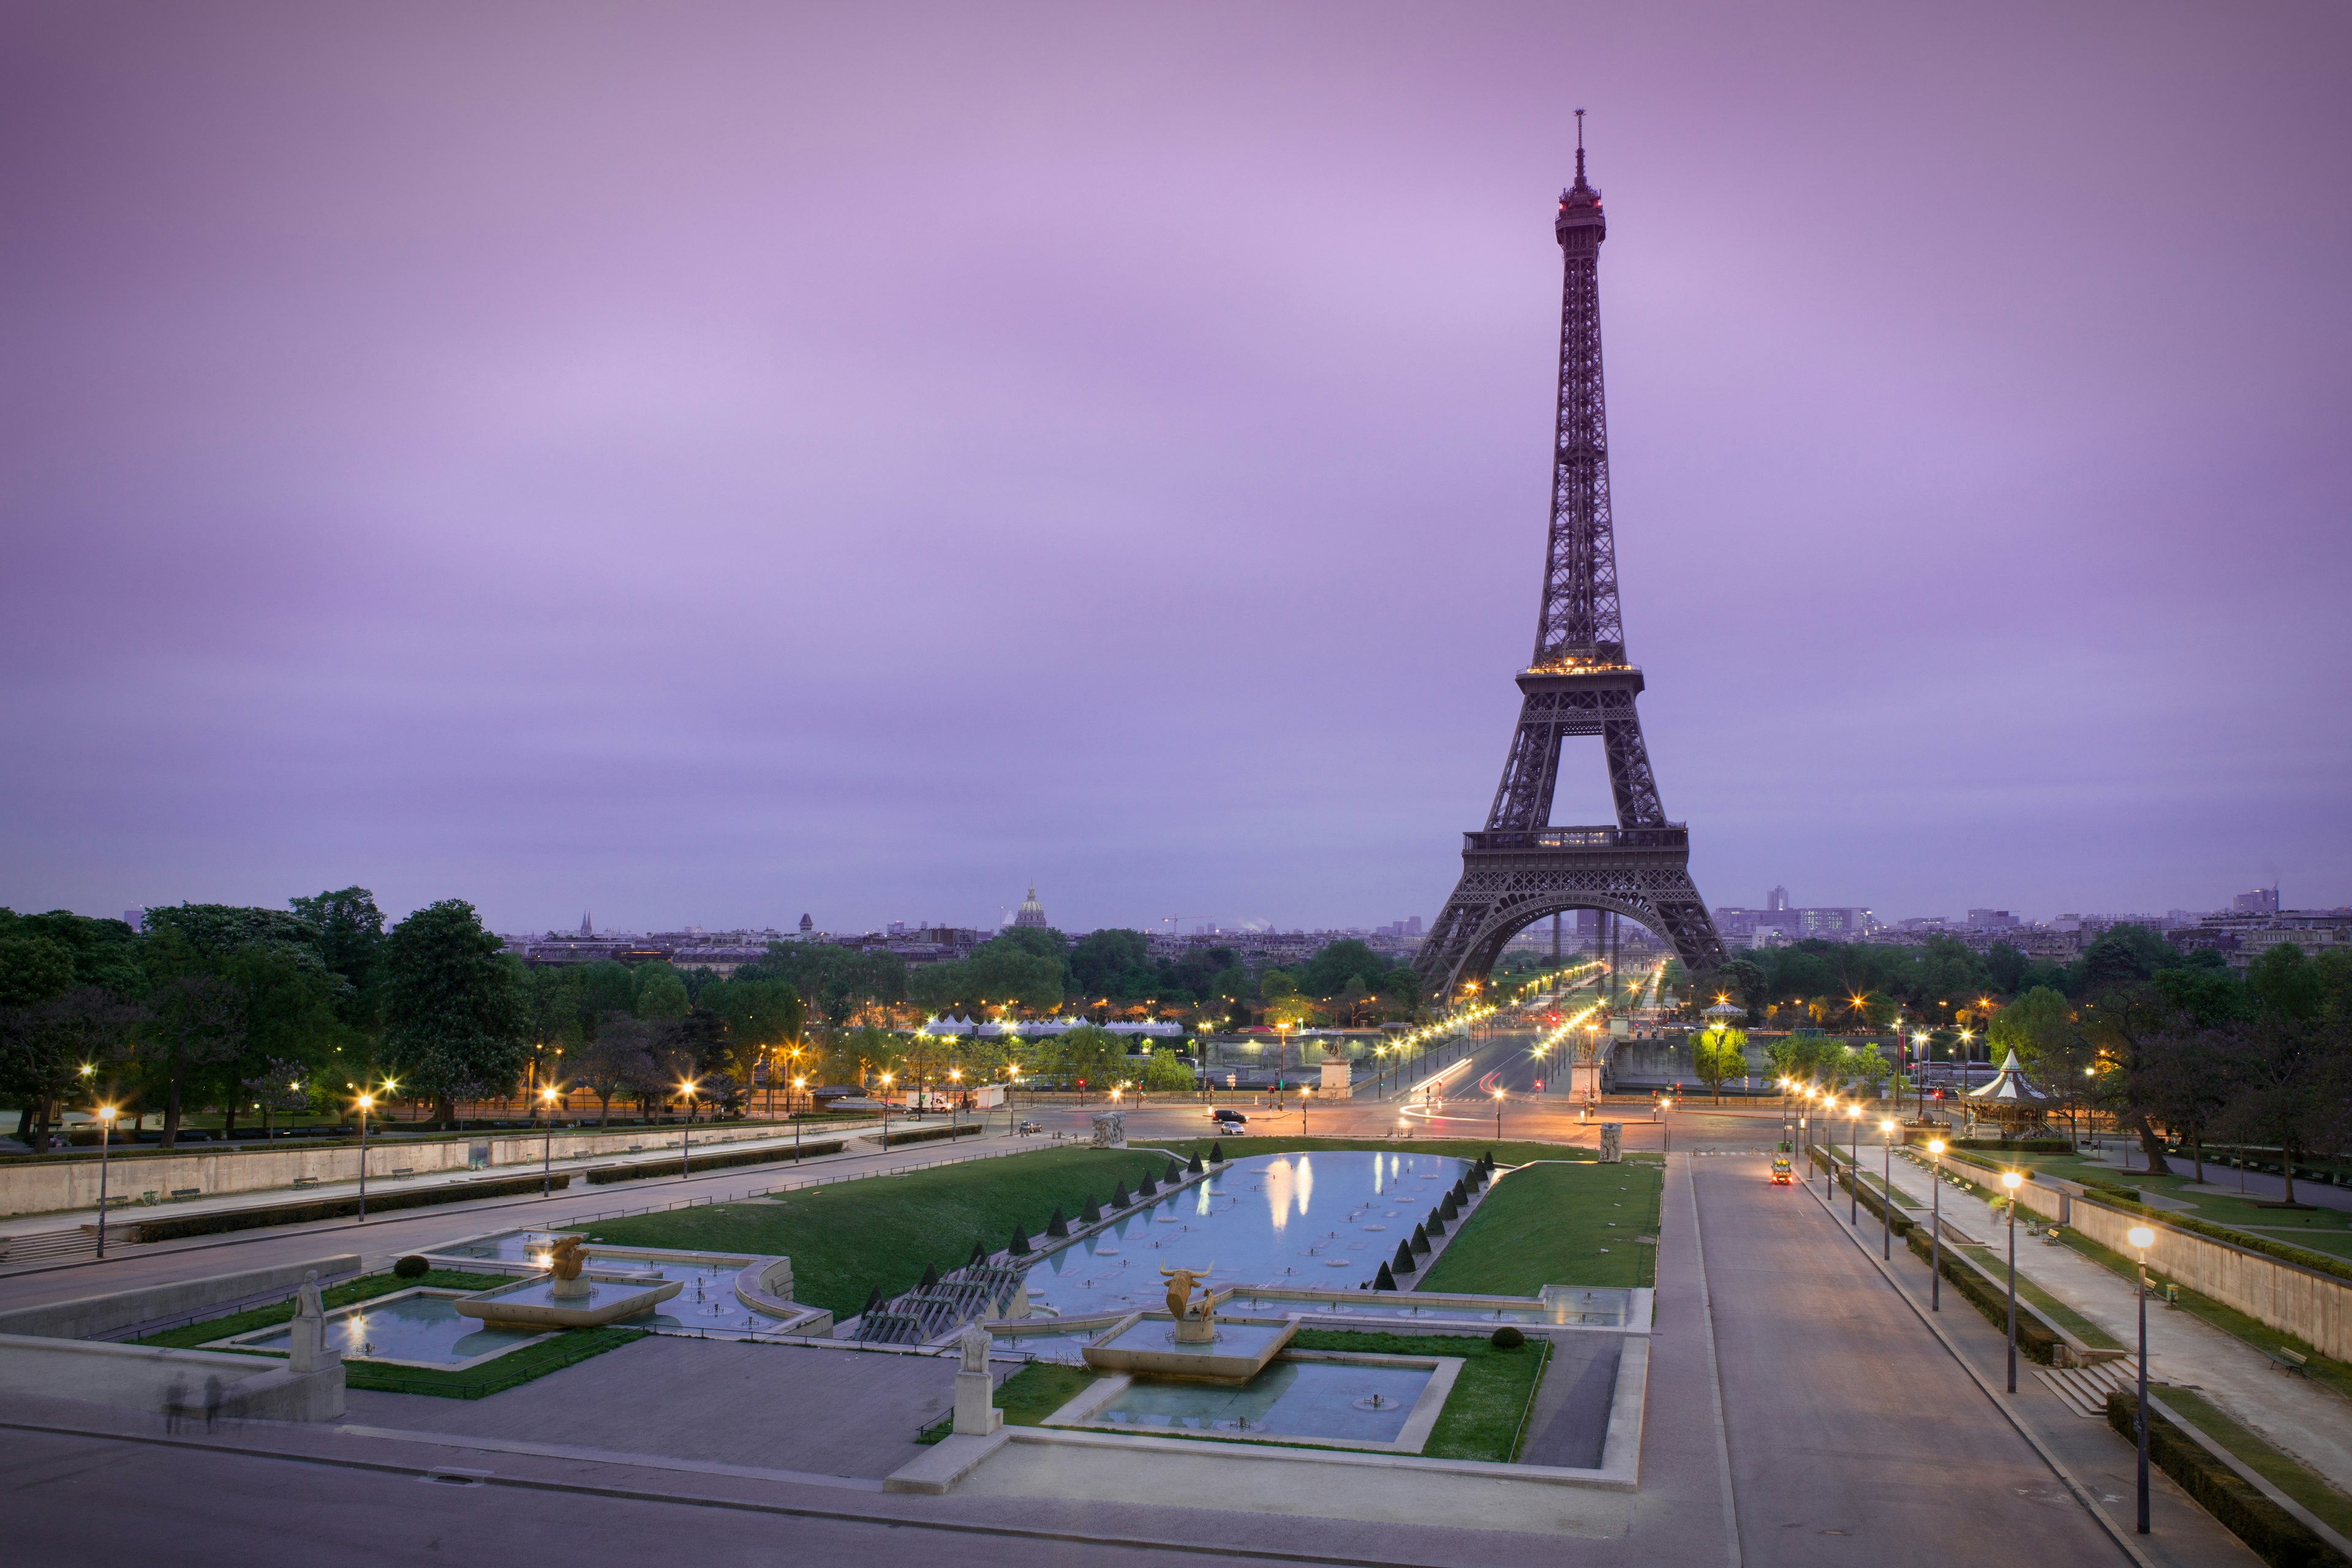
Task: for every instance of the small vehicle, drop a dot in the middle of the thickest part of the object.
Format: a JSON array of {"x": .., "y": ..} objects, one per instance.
[
  {"x": 1027, "y": 1128},
  {"x": 1784, "y": 1174},
  {"x": 1229, "y": 1116}
]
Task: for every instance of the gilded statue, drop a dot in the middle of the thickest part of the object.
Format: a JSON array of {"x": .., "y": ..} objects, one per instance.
[
  {"x": 568, "y": 1257},
  {"x": 1180, "y": 1294}
]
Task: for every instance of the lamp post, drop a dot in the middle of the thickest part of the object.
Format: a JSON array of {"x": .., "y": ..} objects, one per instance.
[
  {"x": 365, "y": 1102},
  {"x": 2143, "y": 1237},
  {"x": 2013, "y": 1181},
  {"x": 797, "y": 1084},
  {"x": 686, "y": 1134},
  {"x": 1936, "y": 1225},
  {"x": 1665, "y": 1127},
  {"x": 1853, "y": 1176},
  {"x": 885, "y": 1111},
  {"x": 1498, "y": 1116},
  {"x": 1919, "y": 1084},
  {"x": 1886, "y": 1195},
  {"x": 1012, "y": 1082},
  {"x": 1829, "y": 1165},
  {"x": 955, "y": 1077},
  {"x": 106, "y": 1129},
  {"x": 547, "y": 1146}
]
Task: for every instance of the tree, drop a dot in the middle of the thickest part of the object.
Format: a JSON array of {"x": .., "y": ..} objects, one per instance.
[
  {"x": 2134, "y": 1029},
  {"x": 1716, "y": 1054},
  {"x": 1101, "y": 961},
  {"x": 350, "y": 942},
  {"x": 454, "y": 1019},
  {"x": 1161, "y": 1069},
  {"x": 63, "y": 1047},
  {"x": 617, "y": 1060},
  {"x": 661, "y": 995},
  {"x": 2039, "y": 1027},
  {"x": 196, "y": 1021},
  {"x": 2293, "y": 1075},
  {"x": 1088, "y": 1054},
  {"x": 33, "y": 970}
]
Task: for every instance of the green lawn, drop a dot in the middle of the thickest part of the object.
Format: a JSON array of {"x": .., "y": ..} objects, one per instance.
[
  {"x": 847, "y": 1238},
  {"x": 1028, "y": 1396},
  {"x": 1555, "y": 1225},
  {"x": 2281, "y": 1470}
]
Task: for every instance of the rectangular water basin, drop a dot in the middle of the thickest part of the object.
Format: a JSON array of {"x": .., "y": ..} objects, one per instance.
[
  {"x": 1384, "y": 1402},
  {"x": 410, "y": 1328}
]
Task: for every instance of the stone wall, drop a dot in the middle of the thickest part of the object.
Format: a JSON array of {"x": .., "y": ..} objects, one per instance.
[
  {"x": 150, "y": 1378},
  {"x": 51, "y": 1186},
  {"x": 94, "y": 1315},
  {"x": 2314, "y": 1307}
]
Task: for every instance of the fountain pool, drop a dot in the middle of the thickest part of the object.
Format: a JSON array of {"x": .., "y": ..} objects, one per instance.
[
  {"x": 1326, "y": 1219},
  {"x": 410, "y": 1328},
  {"x": 1389, "y": 1403}
]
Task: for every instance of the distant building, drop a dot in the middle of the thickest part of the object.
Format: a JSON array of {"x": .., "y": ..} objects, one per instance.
[
  {"x": 1777, "y": 899},
  {"x": 1992, "y": 919},
  {"x": 807, "y": 925},
  {"x": 1031, "y": 914},
  {"x": 2257, "y": 901},
  {"x": 135, "y": 918},
  {"x": 1778, "y": 923}
]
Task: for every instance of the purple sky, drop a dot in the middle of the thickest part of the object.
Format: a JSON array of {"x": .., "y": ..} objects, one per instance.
[{"x": 706, "y": 463}]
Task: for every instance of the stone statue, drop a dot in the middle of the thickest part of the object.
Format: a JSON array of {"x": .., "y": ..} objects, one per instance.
[
  {"x": 974, "y": 1344},
  {"x": 976, "y": 1415},
  {"x": 1109, "y": 1129},
  {"x": 306, "y": 1345}
]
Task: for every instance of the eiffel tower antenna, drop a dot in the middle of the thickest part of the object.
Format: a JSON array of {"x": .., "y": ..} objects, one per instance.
[{"x": 1579, "y": 683}]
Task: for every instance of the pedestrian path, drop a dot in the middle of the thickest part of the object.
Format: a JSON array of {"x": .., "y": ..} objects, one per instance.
[{"x": 2306, "y": 1419}]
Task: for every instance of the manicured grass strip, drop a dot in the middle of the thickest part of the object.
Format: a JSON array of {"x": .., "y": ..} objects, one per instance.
[
  {"x": 516, "y": 1367},
  {"x": 1488, "y": 1406},
  {"x": 2272, "y": 1534},
  {"x": 849, "y": 1238},
  {"x": 2281, "y": 1470},
  {"x": 1548, "y": 1224},
  {"x": 191, "y": 1336},
  {"x": 2320, "y": 1368}
]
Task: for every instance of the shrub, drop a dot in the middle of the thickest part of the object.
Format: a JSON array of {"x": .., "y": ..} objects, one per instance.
[
  {"x": 2274, "y": 1535},
  {"x": 412, "y": 1268},
  {"x": 606, "y": 1174},
  {"x": 1384, "y": 1279},
  {"x": 1404, "y": 1261},
  {"x": 1507, "y": 1338},
  {"x": 266, "y": 1214}
]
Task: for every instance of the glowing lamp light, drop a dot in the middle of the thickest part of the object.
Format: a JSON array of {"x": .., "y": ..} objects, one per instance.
[{"x": 2141, "y": 1236}]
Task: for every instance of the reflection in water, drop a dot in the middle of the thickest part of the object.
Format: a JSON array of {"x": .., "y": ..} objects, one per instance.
[
  {"x": 1306, "y": 1185},
  {"x": 1278, "y": 1178},
  {"x": 1203, "y": 1208}
]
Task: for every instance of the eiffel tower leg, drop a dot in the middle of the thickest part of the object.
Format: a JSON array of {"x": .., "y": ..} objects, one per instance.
[{"x": 1504, "y": 891}]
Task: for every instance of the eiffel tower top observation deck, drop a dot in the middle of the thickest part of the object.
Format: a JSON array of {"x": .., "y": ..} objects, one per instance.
[{"x": 1521, "y": 868}]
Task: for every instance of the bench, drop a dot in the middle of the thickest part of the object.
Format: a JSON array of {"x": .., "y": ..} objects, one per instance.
[
  {"x": 403, "y": 1170},
  {"x": 179, "y": 1193},
  {"x": 306, "y": 1181},
  {"x": 2288, "y": 1362}
]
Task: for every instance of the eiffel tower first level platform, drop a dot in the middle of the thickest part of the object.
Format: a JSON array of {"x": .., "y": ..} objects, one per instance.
[{"x": 1521, "y": 869}]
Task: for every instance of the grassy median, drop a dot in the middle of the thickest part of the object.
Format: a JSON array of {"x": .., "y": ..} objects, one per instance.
[
  {"x": 847, "y": 1240},
  {"x": 1581, "y": 1224}
]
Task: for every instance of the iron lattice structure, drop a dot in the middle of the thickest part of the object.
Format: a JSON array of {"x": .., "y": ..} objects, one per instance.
[{"x": 1520, "y": 868}]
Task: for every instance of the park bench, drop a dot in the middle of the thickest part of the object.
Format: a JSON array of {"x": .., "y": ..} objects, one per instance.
[
  {"x": 403, "y": 1170},
  {"x": 179, "y": 1193},
  {"x": 2289, "y": 1361},
  {"x": 306, "y": 1181}
]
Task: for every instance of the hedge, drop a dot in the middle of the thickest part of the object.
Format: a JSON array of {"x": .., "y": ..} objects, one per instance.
[
  {"x": 2274, "y": 1535},
  {"x": 603, "y": 1175},
  {"x": 2035, "y": 1337},
  {"x": 267, "y": 1214},
  {"x": 2022, "y": 1146},
  {"x": 922, "y": 1134}
]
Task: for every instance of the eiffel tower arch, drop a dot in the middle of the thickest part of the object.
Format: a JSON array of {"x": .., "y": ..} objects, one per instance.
[{"x": 1520, "y": 868}]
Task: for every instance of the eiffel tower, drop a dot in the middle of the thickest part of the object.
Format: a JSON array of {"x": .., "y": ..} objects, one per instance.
[{"x": 1521, "y": 869}]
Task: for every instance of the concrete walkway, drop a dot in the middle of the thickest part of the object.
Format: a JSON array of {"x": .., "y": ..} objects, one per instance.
[{"x": 2306, "y": 1419}]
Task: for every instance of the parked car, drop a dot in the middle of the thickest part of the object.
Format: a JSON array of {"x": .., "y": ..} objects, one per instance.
[{"x": 1229, "y": 1116}]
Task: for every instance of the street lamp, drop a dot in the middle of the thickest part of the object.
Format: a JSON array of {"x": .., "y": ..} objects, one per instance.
[
  {"x": 886, "y": 1109},
  {"x": 1887, "y": 1181},
  {"x": 686, "y": 1134},
  {"x": 2013, "y": 1181},
  {"x": 106, "y": 1128},
  {"x": 547, "y": 1147},
  {"x": 366, "y": 1102},
  {"x": 1853, "y": 1176},
  {"x": 798, "y": 1084},
  {"x": 1665, "y": 1127},
  {"x": 1936, "y": 1225},
  {"x": 1498, "y": 1116},
  {"x": 2143, "y": 1237}
]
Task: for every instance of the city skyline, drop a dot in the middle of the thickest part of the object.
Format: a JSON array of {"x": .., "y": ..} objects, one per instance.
[{"x": 693, "y": 462}]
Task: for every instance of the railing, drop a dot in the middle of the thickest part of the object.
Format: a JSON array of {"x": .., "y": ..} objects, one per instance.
[{"x": 1672, "y": 836}]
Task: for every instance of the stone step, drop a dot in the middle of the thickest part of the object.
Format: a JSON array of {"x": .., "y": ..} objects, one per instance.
[{"x": 2085, "y": 1389}]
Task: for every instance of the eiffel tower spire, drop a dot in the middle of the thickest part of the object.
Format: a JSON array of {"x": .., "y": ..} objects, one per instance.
[{"x": 1521, "y": 869}]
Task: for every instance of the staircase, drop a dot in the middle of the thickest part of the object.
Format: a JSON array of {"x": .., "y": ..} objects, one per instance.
[
  {"x": 2085, "y": 1389},
  {"x": 29, "y": 1248}
]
